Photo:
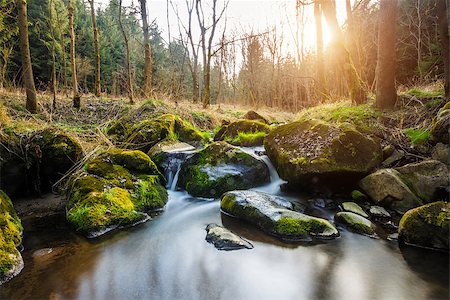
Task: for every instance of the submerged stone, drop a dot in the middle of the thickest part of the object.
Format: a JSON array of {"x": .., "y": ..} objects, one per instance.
[
  {"x": 224, "y": 239},
  {"x": 219, "y": 168},
  {"x": 355, "y": 223},
  {"x": 427, "y": 226},
  {"x": 274, "y": 216},
  {"x": 11, "y": 262}
]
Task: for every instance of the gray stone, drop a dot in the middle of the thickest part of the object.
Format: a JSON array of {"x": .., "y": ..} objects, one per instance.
[
  {"x": 395, "y": 157},
  {"x": 355, "y": 223},
  {"x": 354, "y": 208},
  {"x": 441, "y": 152},
  {"x": 379, "y": 212},
  {"x": 224, "y": 239}
]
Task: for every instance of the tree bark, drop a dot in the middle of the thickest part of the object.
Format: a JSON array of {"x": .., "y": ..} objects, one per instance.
[
  {"x": 443, "y": 15},
  {"x": 127, "y": 48},
  {"x": 97, "y": 87},
  {"x": 319, "y": 48},
  {"x": 76, "y": 94},
  {"x": 27, "y": 70},
  {"x": 54, "y": 81},
  {"x": 386, "y": 94},
  {"x": 147, "y": 51}
]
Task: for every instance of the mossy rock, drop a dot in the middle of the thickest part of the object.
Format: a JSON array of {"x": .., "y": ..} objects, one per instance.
[
  {"x": 355, "y": 223},
  {"x": 59, "y": 153},
  {"x": 114, "y": 190},
  {"x": 245, "y": 133},
  {"x": 386, "y": 188},
  {"x": 14, "y": 175},
  {"x": 11, "y": 262},
  {"x": 219, "y": 168},
  {"x": 148, "y": 133},
  {"x": 441, "y": 124},
  {"x": 254, "y": 116},
  {"x": 314, "y": 154},
  {"x": 274, "y": 216},
  {"x": 354, "y": 208},
  {"x": 427, "y": 226}
]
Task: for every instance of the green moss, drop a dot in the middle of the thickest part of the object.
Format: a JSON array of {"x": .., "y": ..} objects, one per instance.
[
  {"x": 249, "y": 139},
  {"x": 418, "y": 135},
  {"x": 135, "y": 161},
  {"x": 420, "y": 92},
  {"x": 355, "y": 222},
  {"x": 243, "y": 133},
  {"x": 150, "y": 195},
  {"x": 358, "y": 196},
  {"x": 290, "y": 226}
]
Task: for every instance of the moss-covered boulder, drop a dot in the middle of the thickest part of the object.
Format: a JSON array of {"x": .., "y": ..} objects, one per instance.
[
  {"x": 245, "y": 133},
  {"x": 274, "y": 216},
  {"x": 441, "y": 124},
  {"x": 427, "y": 226},
  {"x": 58, "y": 153},
  {"x": 114, "y": 190},
  {"x": 11, "y": 262},
  {"x": 429, "y": 179},
  {"x": 355, "y": 223},
  {"x": 148, "y": 133},
  {"x": 219, "y": 168},
  {"x": 253, "y": 115},
  {"x": 312, "y": 153},
  {"x": 386, "y": 187}
]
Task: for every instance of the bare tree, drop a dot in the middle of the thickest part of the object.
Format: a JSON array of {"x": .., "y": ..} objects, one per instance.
[
  {"x": 147, "y": 51},
  {"x": 97, "y": 87},
  {"x": 127, "y": 48},
  {"x": 27, "y": 70},
  {"x": 319, "y": 48},
  {"x": 76, "y": 95},
  {"x": 443, "y": 14},
  {"x": 54, "y": 81},
  {"x": 386, "y": 94},
  {"x": 206, "y": 43}
]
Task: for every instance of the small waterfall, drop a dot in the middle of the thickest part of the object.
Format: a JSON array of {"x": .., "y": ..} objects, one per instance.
[{"x": 172, "y": 166}]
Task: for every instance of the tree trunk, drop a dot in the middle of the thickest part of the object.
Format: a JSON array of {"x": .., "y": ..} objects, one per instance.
[
  {"x": 54, "y": 81},
  {"x": 127, "y": 48},
  {"x": 27, "y": 70},
  {"x": 63, "y": 56},
  {"x": 147, "y": 51},
  {"x": 386, "y": 94},
  {"x": 444, "y": 27},
  {"x": 97, "y": 87},
  {"x": 73, "y": 68},
  {"x": 319, "y": 48}
]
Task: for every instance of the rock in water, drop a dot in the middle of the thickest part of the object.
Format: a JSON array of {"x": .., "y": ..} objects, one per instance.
[
  {"x": 114, "y": 190},
  {"x": 354, "y": 208},
  {"x": 11, "y": 262},
  {"x": 223, "y": 239},
  {"x": 219, "y": 168},
  {"x": 312, "y": 154},
  {"x": 386, "y": 187},
  {"x": 355, "y": 223},
  {"x": 427, "y": 226},
  {"x": 274, "y": 216},
  {"x": 379, "y": 212}
]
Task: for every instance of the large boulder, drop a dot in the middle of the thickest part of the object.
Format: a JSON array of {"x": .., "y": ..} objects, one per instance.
[
  {"x": 245, "y": 133},
  {"x": 219, "y": 168},
  {"x": 274, "y": 216},
  {"x": 149, "y": 132},
  {"x": 385, "y": 187},
  {"x": 313, "y": 154},
  {"x": 253, "y": 115},
  {"x": 441, "y": 124},
  {"x": 427, "y": 226},
  {"x": 428, "y": 179},
  {"x": 11, "y": 262},
  {"x": 114, "y": 190}
]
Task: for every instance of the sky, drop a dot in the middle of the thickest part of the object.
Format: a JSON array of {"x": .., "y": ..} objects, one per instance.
[{"x": 244, "y": 16}]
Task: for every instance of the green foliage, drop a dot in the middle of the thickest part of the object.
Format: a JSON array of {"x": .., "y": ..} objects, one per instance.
[
  {"x": 249, "y": 139},
  {"x": 420, "y": 92},
  {"x": 417, "y": 135}
]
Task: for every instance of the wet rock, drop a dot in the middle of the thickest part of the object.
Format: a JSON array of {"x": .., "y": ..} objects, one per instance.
[
  {"x": 219, "y": 168},
  {"x": 379, "y": 212},
  {"x": 441, "y": 152},
  {"x": 393, "y": 237},
  {"x": 395, "y": 157},
  {"x": 388, "y": 151},
  {"x": 274, "y": 216},
  {"x": 441, "y": 124},
  {"x": 354, "y": 208},
  {"x": 427, "y": 226},
  {"x": 223, "y": 239},
  {"x": 245, "y": 133},
  {"x": 386, "y": 187},
  {"x": 114, "y": 190},
  {"x": 323, "y": 203},
  {"x": 427, "y": 178},
  {"x": 358, "y": 196},
  {"x": 312, "y": 154},
  {"x": 355, "y": 223},
  {"x": 253, "y": 115},
  {"x": 11, "y": 262}
]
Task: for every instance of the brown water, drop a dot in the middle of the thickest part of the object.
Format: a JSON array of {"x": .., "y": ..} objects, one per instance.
[{"x": 168, "y": 258}]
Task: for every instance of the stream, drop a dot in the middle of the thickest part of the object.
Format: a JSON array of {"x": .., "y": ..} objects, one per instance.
[{"x": 168, "y": 258}]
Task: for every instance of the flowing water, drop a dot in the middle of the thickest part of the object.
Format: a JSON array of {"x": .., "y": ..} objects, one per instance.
[{"x": 168, "y": 258}]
